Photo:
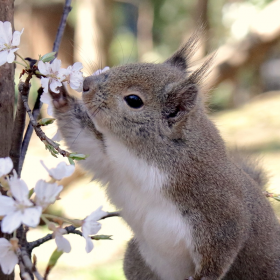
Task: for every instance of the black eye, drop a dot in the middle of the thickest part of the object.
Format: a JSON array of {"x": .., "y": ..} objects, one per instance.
[{"x": 134, "y": 101}]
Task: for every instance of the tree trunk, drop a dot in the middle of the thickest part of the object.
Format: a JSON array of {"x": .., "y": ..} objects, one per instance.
[
  {"x": 201, "y": 20},
  {"x": 7, "y": 88},
  {"x": 145, "y": 28},
  {"x": 93, "y": 32},
  {"x": 7, "y": 99}
]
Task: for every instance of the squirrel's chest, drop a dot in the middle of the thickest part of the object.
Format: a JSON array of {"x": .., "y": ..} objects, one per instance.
[{"x": 164, "y": 236}]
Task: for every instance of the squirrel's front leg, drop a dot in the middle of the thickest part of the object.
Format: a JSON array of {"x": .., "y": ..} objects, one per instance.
[
  {"x": 219, "y": 249},
  {"x": 79, "y": 132}
]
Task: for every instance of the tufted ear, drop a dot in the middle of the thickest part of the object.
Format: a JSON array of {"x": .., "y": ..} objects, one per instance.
[
  {"x": 180, "y": 59},
  {"x": 180, "y": 100}
]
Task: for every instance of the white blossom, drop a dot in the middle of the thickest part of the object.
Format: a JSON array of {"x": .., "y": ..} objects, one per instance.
[
  {"x": 8, "y": 258},
  {"x": 62, "y": 243},
  {"x": 6, "y": 166},
  {"x": 61, "y": 171},
  {"x": 99, "y": 71},
  {"x": 8, "y": 42},
  {"x": 46, "y": 98},
  {"x": 54, "y": 75},
  {"x": 46, "y": 193},
  {"x": 19, "y": 210},
  {"x": 90, "y": 226},
  {"x": 74, "y": 76}
]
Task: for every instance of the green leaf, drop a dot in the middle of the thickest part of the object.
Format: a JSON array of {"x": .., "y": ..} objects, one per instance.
[
  {"x": 52, "y": 150},
  {"x": 48, "y": 57},
  {"x": 78, "y": 156},
  {"x": 53, "y": 260},
  {"x": 31, "y": 192},
  {"x": 71, "y": 161},
  {"x": 101, "y": 237},
  {"x": 277, "y": 197},
  {"x": 46, "y": 121}
]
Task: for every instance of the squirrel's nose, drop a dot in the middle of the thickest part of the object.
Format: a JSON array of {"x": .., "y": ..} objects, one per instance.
[{"x": 86, "y": 85}]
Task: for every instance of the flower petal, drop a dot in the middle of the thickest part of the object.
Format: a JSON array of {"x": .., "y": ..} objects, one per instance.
[
  {"x": 43, "y": 68},
  {"x": 7, "y": 35},
  {"x": 20, "y": 191},
  {"x": 5, "y": 246},
  {"x": 11, "y": 222},
  {"x": 6, "y": 165},
  {"x": 31, "y": 216},
  {"x": 3, "y": 57},
  {"x": 46, "y": 98},
  {"x": 96, "y": 215},
  {"x": 99, "y": 71},
  {"x": 45, "y": 84},
  {"x": 62, "y": 170},
  {"x": 77, "y": 66},
  {"x": 90, "y": 225},
  {"x": 11, "y": 56},
  {"x": 16, "y": 37},
  {"x": 55, "y": 66},
  {"x": 7, "y": 205},
  {"x": 89, "y": 244},
  {"x": 54, "y": 84},
  {"x": 46, "y": 193},
  {"x": 8, "y": 262},
  {"x": 62, "y": 243}
]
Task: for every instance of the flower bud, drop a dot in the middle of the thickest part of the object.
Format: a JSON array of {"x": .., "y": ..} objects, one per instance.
[{"x": 48, "y": 57}]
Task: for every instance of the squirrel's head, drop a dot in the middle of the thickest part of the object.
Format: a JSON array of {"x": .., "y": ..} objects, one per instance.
[{"x": 142, "y": 101}]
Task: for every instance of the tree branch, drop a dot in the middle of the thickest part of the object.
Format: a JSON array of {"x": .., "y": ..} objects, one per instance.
[
  {"x": 43, "y": 137},
  {"x": 36, "y": 110},
  {"x": 66, "y": 10},
  {"x": 111, "y": 214},
  {"x": 26, "y": 264},
  {"x": 18, "y": 129},
  {"x": 68, "y": 229},
  {"x": 29, "y": 130}
]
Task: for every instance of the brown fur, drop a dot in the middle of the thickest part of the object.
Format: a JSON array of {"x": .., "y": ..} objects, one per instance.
[{"x": 234, "y": 228}]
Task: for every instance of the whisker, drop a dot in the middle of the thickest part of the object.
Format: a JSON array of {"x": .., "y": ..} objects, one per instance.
[{"x": 77, "y": 136}]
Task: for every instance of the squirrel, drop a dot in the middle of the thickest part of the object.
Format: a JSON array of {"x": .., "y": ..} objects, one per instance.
[{"x": 197, "y": 211}]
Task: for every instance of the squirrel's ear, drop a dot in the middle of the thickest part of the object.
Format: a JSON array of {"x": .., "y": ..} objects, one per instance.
[
  {"x": 181, "y": 98},
  {"x": 180, "y": 59}
]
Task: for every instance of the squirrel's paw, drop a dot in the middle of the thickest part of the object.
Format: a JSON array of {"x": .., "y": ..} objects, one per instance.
[{"x": 60, "y": 100}]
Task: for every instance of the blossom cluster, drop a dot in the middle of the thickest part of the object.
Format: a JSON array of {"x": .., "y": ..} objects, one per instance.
[
  {"x": 24, "y": 206},
  {"x": 9, "y": 42},
  {"x": 19, "y": 208}
]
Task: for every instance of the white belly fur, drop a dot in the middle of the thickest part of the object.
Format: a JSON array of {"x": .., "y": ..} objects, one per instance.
[{"x": 164, "y": 237}]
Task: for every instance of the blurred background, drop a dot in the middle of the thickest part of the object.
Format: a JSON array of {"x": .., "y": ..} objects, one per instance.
[{"x": 243, "y": 91}]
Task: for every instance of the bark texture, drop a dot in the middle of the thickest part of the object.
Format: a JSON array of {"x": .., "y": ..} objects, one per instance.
[{"x": 7, "y": 89}]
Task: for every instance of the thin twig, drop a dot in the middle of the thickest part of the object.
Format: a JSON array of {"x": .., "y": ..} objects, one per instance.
[
  {"x": 111, "y": 214},
  {"x": 66, "y": 10},
  {"x": 68, "y": 229},
  {"x": 36, "y": 110},
  {"x": 29, "y": 130},
  {"x": 19, "y": 125},
  {"x": 43, "y": 137},
  {"x": 29, "y": 267}
]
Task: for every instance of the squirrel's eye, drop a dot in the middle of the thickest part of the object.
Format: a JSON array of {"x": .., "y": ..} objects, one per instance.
[{"x": 134, "y": 101}]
